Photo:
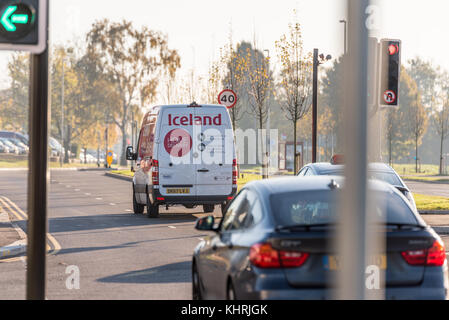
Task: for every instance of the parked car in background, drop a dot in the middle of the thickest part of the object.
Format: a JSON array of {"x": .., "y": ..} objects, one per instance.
[
  {"x": 3, "y": 148},
  {"x": 15, "y": 135},
  {"x": 274, "y": 242},
  {"x": 376, "y": 170},
  {"x": 12, "y": 148},
  {"x": 56, "y": 147},
  {"x": 23, "y": 148}
]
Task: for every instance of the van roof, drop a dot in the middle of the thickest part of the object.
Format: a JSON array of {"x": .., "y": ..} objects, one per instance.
[{"x": 161, "y": 107}]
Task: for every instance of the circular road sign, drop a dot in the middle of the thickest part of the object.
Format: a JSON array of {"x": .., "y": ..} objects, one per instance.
[
  {"x": 389, "y": 97},
  {"x": 16, "y": 20},
  {"x": 227, "y": 98}
]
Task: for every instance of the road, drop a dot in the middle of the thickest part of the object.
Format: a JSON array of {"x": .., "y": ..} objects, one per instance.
[
  {"x": 120, "y": 255},
  {"x": 431, "y": 189}
]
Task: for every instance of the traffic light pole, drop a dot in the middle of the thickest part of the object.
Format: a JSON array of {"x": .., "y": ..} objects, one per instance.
[{"x": 37, "y": 176}]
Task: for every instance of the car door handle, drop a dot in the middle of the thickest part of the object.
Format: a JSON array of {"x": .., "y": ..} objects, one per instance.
[{"x": 203, "y": 170}]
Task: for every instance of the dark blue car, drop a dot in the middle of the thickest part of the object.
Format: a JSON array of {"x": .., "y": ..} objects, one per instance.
[{"x": 274, "y": 243}]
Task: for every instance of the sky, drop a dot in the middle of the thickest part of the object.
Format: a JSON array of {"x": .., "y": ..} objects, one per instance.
[{"x": 198, "y": 28}]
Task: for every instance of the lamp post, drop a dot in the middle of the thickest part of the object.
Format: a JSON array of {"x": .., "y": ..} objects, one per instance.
[
  {"x": 267, "y": 154},
  {"x": 317, "y": 60}
]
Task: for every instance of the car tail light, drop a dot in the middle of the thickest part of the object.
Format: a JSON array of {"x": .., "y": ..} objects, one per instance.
[
  {"x": 263, "y": 255},
  {"x": 434, "y": 256},
  {"x": 234, "y": 172},
  {"x": 155, "y": 172}
]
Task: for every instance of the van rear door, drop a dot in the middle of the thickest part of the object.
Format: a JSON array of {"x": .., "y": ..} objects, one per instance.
[
  {"x": 215, "y": 151},
  {"x": 176, "y": 168}
]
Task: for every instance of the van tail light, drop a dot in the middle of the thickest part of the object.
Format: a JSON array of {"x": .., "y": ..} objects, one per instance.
[
  {"x": 434, "y": 256},
  {"x": 234, "y": 172},
  {"x": 155, "y": 172},
  {"x": 262, "y": 255}
]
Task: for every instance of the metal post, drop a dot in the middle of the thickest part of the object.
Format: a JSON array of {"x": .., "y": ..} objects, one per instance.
[
  {"x": 352, "y": 236},
  {"x": 37, "y": 176},
  {"x": 345, "y": 35},
  {"x": 314, "y": 104},
  {"x": 106, "y": 135}
]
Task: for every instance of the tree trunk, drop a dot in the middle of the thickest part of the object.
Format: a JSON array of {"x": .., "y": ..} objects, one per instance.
[
  {"x": 85, "y": 155},
  {"x": 66, "y": 143},
  {"x": 295, "y": 167},
  {"x": 441, "y": 154}
]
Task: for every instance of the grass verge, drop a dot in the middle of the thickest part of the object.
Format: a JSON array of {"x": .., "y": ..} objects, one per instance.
[{"x": 431, "y": 203}]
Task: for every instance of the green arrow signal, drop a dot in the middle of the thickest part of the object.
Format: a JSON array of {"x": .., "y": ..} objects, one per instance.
[{"x": 9, "y": 19}]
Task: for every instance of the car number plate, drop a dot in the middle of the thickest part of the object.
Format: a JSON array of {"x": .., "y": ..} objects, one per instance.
[
  {"x": 178, "y": 191},
  {"x": 333, "y": 262}
]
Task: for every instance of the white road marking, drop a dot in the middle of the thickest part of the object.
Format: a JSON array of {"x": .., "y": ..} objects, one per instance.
[
  {"x": 128, "y": 210},
  {"x": 87, "y": 194},
  {"x": 112, "y": 204},
  {"x": 77, "y": 190},
  {"x": 201, "y": 239},
  {"x": 98, "y": 198},
  {"x": 172, "y": 227}
]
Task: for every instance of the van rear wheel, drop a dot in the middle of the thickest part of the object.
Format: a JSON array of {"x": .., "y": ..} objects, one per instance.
[
  {"x": 137, "y": 207},
  {"x": 152, "y": 210},
  {"x": 208, "y": 208}
]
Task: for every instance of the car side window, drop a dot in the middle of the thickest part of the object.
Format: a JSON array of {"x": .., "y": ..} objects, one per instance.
[
  {"x": 309, "y": 172},
  {"x": 254, "y": 215},
  {"x": 227, "y": 223}
]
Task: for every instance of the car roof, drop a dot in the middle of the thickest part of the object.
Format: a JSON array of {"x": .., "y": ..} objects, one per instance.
[
  {"x": 327, "y": 166},
  {"x": 312, "y": 183}
]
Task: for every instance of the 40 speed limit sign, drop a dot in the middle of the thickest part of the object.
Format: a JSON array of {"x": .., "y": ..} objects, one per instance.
[{"x": 227, "y": 98}]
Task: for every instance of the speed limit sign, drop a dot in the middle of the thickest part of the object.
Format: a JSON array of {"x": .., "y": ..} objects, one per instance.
[{"x": 227, "y": 98}]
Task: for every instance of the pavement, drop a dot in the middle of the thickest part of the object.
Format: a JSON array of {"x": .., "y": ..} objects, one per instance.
[{"x": 12, "y": 241}]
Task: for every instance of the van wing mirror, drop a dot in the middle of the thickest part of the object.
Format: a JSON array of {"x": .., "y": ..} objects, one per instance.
[{"x": 130, "y": 155}]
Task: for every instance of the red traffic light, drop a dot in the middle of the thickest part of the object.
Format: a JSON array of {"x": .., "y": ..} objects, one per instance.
[{"x": 393, "y": 49}]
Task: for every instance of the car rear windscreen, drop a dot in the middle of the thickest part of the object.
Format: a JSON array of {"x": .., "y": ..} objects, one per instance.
[{"x": 320, "y": 207}]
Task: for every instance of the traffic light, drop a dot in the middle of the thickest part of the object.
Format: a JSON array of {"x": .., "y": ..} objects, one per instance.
[
  {"x": 23, "y": 25},
  {"x": 390, "y": 63}
]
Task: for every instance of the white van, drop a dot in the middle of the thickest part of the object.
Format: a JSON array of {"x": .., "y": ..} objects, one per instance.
[{"x": 185, "y": 156}]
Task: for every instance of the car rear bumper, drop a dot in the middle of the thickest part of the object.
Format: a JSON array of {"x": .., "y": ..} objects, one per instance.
[
  {"x": 272, "y": 285},
  {"x": 156, "y": 197}
]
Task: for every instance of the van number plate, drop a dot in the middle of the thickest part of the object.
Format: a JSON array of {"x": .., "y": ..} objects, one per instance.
[{"x": 178, "y": 191}]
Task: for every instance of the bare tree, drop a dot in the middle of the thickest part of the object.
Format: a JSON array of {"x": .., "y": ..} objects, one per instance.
[
  {"x": 258, "y": 77},
  {"x": 441, "y": 115},
  {"x": 295, "y": 86},
  {"x": 132, "y": 60},
  {"x": 418, "y": 124},
  {"x": 234, "y": 61}
]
